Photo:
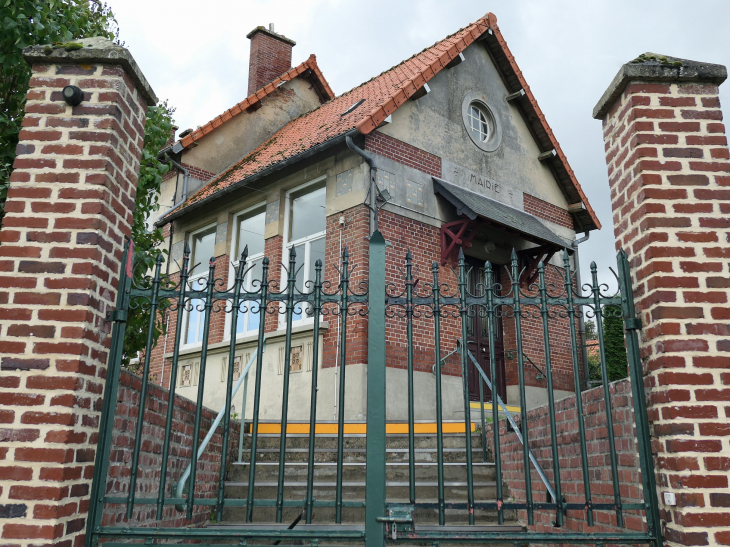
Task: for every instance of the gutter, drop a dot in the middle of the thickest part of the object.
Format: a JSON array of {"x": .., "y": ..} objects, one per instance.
[
  {"x": 373, "y": 169},
  {"x": 256, "y": 176}
]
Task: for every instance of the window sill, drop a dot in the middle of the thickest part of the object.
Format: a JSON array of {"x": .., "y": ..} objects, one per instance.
[{"x": 249, "y": 340}]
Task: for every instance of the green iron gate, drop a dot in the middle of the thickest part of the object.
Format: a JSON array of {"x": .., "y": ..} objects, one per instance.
[{"x": 385, "y": 520}]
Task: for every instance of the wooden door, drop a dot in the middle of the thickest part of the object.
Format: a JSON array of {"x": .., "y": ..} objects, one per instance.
[{"x": 478, "y": 340}]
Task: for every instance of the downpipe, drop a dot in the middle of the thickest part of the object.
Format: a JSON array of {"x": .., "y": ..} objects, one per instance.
[
  {"x": 373, "y": 170},
  {"x": 185, "y": 182}
]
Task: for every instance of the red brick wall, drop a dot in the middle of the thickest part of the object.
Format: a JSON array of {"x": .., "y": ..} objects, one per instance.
[
  {"x": 389, "y": 147},
  {"x": 571, "y": 477},
  {"x": 270, "y": 58},
  {"x": 548, "y": 211},
  {"x": 69, "y": 207},
  {"x": 669, "y": 177},
  {"x": 354, "y": 234},
  {"x": 181, "y": 450}
]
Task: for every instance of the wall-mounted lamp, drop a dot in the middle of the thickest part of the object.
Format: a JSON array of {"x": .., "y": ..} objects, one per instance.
[{"x": 72, "y": 95}]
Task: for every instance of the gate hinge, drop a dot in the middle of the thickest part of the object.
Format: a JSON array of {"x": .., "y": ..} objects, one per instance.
[
  {"x": 633, "y": 323},
  {"x": 116, "y": 316}
]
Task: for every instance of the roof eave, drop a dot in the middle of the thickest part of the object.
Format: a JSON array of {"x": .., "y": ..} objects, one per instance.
[{"x": 172, "y": 215}]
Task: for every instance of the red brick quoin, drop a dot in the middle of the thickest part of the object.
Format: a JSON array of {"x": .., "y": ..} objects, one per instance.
[
  {"x": 669, "y": 175},
  {"x": 69, "y": 207}
]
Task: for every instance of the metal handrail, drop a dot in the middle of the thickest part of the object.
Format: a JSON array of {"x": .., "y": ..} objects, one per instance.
[
  {"x": 511, "y": 420},
  {"x": 180, "y": 486},
  {"x": 540, "y": 373}
]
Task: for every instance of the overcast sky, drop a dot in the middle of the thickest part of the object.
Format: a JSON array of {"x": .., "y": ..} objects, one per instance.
[{"x": 195, "y": 55}]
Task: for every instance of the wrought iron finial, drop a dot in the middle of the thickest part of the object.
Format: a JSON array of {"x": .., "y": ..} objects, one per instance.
[
  {"x": 187, "y": 249},
  {"x": 292, "y": 254},
  {"x": 461, "y": 253},
  {"x": 318, "y": 263},
  {"x": 160, "y": 259},
  {"x": 594, "y": 268},
  {"x": 408, "y": 255},
  {"x": 244, "y": 254},
  {"x": 345, "y": 254},
  {"x": 265, "y": 261},
  {"x": 211, "y": 264}
]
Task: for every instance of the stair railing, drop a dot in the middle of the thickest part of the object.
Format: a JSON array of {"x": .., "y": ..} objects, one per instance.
[
  {"x": 511, "y": 420},
  {"x": 243, "y": 379}
]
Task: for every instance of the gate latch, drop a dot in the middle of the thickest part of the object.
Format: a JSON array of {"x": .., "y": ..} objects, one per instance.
[{"x": 398, "y": 514}]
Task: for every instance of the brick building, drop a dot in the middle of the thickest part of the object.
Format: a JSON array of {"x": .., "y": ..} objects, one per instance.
[{"x": 469, "y": 162}]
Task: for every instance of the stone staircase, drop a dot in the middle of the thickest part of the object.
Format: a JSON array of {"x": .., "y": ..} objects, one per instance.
[{"x": 397, "y": 477}]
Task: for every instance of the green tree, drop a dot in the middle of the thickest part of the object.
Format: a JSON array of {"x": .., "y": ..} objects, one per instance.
[
  {"x": 147, "y": 238},
  {"x": 613, "y": 337},
  {"x": 32, "y": 22}
]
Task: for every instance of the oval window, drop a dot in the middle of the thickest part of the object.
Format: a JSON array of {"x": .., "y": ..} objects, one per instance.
[{"x": 479, "y": 122}]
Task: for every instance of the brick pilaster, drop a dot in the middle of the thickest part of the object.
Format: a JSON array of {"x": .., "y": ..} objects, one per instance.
[
  {"x": 69, "y": 207},
  {"x": 669, "y": 175}
]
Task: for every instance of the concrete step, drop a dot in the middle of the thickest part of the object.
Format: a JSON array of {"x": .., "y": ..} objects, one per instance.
[
  {"x": 359, "y": 454},
  {"x": 356, "y": 515},
  {"x": 395, "y": 471},
  {"x": 421, "y": 440}
]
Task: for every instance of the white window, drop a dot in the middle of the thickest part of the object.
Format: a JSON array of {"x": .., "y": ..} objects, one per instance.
[
  {"x": 479, "y": 122},
  {"x": 304, "y": 230},
  {"x": 249, "y": 232},
  {"x": 202, "y": 244}
]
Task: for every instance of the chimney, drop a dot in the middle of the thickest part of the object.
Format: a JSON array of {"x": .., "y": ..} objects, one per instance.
[{"x": 270, "y": 57}]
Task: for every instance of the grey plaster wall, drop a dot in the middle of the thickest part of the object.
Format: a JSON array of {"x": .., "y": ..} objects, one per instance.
[
  {"x": 434, "y": 123},
  {"x": 243, "y": 133}
]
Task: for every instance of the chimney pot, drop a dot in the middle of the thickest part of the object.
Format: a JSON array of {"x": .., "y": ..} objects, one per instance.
[{"x": 270, "y": 57}]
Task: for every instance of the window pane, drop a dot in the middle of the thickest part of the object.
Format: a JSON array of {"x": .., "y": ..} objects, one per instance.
[
  {"x": 203, "y": 249},
  {"x": 308, "y": 214},
  {"x": 300, "y": 249},
  {"x": 195, "y": 322},
  {"x": 251, "y": 233}
]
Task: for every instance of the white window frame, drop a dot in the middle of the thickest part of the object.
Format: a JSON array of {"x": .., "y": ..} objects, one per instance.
[
  {"x": 234, "y": 267},
  {"x": 192, "y": 282},
  {"x": 307, "y": 241}
]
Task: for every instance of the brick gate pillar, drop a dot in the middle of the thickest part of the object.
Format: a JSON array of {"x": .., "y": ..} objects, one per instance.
[
  {"x": 669, "y": 176},
  {"x": 69, "y": 207}
]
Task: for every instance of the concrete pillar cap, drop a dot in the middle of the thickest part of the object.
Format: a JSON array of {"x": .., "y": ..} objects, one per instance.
[
  {"x": 96, "y": 49},
  {"x": 653, "y": 67}
]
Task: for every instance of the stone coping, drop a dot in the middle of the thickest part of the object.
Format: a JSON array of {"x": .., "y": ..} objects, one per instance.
[
  {"x": 672, "y": 69},
  {"x": 95, "y": 50}
]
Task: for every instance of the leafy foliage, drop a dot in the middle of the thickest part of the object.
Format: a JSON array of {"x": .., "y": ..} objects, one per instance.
[
  {"x": 613, "y": 335},
  {"x": 32, "y": 22},
  {"x": 147, "y": 238}
]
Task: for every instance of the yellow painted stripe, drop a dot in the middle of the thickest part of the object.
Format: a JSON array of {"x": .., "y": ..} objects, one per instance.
[
  {"x": 488, "y": 406},
  {"x": 358, "y": 428}
]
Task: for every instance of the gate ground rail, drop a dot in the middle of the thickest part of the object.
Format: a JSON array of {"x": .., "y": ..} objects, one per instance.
[{"x": 376, "y": 301}]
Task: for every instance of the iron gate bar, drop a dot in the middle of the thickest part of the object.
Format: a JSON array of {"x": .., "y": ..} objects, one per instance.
[
  {"x": 491, "y": 315},
  {"x": 173, "y": 378},
  {"x": 517, "y": 313},
  {"x": 632, "y": 324},
  {"x": 551, "y": 396},
  {"x": 145, "y": 381},
  {"x": 436, "y": 291},
  {"x": 463, "y": 313},
  {"x": 375, "y": 439},
  {"x": 409, "y": 342},
  {"x": 106, "y": 420},
  {"x": 344, "y": 289},
  {"x": 263, "y": 309},
  {"x": 606, "y": 394},
  {"x": 317, "y": 309},
  {"x": 229, "y": 379},
  {"x": 210, "y": 283},
  {"x": 576, "y": 377},
  {"x": 290, "y": 304}
]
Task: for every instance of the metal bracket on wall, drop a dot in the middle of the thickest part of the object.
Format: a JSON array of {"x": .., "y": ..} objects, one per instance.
[{"x": 115, "y": 316}]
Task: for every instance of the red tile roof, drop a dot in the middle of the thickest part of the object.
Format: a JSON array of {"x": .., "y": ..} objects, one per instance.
[
  {"x": 381, "y": 96},
  {"x": 321, "y": 85}
]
